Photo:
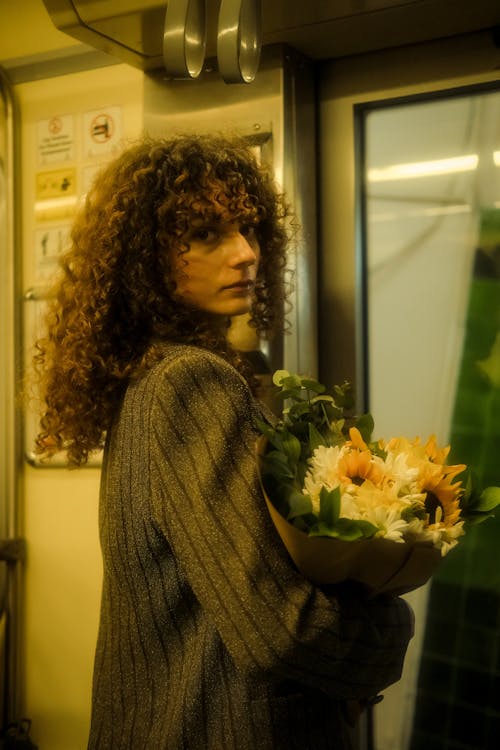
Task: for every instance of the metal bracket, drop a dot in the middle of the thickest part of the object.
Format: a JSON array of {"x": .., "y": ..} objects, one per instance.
[{"x": 12, "y": 550}]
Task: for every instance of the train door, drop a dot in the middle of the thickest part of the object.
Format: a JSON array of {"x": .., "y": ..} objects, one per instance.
[{"x": 410, "y": 146}]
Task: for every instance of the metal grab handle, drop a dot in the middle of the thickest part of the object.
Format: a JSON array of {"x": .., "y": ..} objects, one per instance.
[
  {"x": 184, "y": 38},
  {"x": 239, "y": 40}
]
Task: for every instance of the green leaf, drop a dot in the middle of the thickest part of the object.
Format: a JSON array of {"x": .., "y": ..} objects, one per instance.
[
  {"x": 277, "y": 465},
  {"x": 313, "y": 385},
  {"x": 291, "y": 393},
  {"x": 343, "y": 395},
  {"x": 365, "y": 425},
  {"x": 292, "y": 382},
  {"x": 329, "y": 506},
  {"x": 301, "y": 472},
  {"x": 367, "y": 529},
  {"x": 414, "y": 511},
  {"x": 489, "y": 499},
  {"x": 275, "y": 438},
  {"x": 302, "y": 523},
  {"x": 323, "y": 529},
  {"x": 292, "y": 448},
  {"x": 315, "y": 438},
  {"x": 264, "y": 427},
  {"x": 298, "y": 409},
  {"x": 472, "y": 519},
  {"x": 323, "y": 398},
  {"x": 300, "y": 504},
  {"x": 279, "y": 376},
  {"x": 347, "y": 529},
  {"x": 475, "y": 502}
]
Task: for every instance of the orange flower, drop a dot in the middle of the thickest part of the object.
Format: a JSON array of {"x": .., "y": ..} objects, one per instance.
[
  {"x": 439, "y": 455},
  {"x": 356, "y": 440},
  {"x": 354, "y": 466},
  {"x": 441, "y": 493},
  {"x": 436, "y": 454}
]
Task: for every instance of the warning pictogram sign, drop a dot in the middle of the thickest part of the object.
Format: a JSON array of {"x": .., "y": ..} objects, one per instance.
[
  {"x": 55, "y": 125},
  {"x": 55, "y": 140},
  {"x": 101, "y": 131},
  {"x": 102, "y": 128}
]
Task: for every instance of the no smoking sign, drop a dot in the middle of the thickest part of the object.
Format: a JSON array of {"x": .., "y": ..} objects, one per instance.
[{"x": 101, "y": 131}]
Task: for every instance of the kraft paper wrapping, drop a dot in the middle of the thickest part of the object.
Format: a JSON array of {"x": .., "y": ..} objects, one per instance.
[{"x": 379, "y": 564}]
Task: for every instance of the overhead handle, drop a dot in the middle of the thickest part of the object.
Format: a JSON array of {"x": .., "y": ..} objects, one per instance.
[
  {"x": 239, "y": 40},
  {"x": 184, "y": 38}
]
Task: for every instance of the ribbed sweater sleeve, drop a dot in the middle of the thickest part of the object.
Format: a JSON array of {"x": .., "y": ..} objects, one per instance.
[{"x": 205, "y": 500}]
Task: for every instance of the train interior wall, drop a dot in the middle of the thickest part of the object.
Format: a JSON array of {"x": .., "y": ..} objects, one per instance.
[{"x": 59, "y": 507}]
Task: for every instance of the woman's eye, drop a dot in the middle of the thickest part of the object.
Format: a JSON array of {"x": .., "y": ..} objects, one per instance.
[
  {"x": 247, "y": 230},
  {"x": 204, "y": 234}
]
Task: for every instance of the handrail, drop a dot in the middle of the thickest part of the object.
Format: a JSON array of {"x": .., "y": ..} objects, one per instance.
[
  {"x": 239, "y": 39},
  {"x": 10, "y": 451},
  {"x": 9, "y": 335}
]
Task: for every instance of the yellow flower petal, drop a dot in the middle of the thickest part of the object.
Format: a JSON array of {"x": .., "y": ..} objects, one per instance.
[{"x": 356, "y": 439}]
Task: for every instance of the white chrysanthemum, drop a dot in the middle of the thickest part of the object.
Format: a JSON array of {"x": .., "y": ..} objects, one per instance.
[
  {"x": 313, "y": 491},
  {"x": 371, "y": 496},
  {"x": 456, "y": 530},
  {"x": 412, "y": 499},
  {"x": 416, "y": 530},
  {"x": 440, "y": 536},
  {"x": 389, "y": 522},
  {"x": 321, "y": 473},
  {"x": 381, "y": 491},
  {"x": 349, "y": 504},
  {"x": 397, "y": 465},
  {"x": 446, "y": 546},
  {"x": 323, "y": 465}
]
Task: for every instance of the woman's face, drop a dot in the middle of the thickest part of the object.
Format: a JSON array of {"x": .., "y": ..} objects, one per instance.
[{"x": 217, "y": 273}]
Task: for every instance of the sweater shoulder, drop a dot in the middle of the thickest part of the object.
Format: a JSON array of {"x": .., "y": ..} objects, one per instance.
[
  {"x": 186, "y": 359},
  {"x": 189, "y": 373}
]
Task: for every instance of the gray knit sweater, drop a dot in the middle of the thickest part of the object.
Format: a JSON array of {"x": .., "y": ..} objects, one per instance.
[{"x": 209, "y": 639}]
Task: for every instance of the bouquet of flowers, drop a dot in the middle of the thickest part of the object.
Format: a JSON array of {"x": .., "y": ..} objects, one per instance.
[{"x": 382, "y": 513}]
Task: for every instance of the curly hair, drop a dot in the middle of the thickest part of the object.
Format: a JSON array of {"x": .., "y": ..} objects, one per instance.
[{"x": 115, "y": 302}]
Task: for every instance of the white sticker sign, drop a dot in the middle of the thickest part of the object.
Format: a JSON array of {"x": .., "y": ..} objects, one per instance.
[
  {"x": 50, "y": 243},
  {"x": 102, "y": 131},
  {"x": 88, "y": 175},
  {"x": 55, "y": 139}
]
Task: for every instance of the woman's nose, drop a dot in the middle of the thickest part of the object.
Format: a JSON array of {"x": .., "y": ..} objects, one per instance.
[{"x": 243, "y": 252}]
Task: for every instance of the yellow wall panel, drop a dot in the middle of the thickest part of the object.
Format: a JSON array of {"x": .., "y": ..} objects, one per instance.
[{"x": 63, "y": 572}]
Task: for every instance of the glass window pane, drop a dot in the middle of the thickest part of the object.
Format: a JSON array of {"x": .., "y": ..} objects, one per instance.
[{"x": 432, "y": 258}]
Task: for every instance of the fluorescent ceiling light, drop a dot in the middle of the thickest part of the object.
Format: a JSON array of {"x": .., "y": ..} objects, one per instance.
[
  {"x": 383, "y": 216},
  {"x": 465, "y": 163}
]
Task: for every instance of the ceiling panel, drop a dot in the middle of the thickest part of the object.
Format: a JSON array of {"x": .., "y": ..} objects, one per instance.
[{"x": 321, "y": 29}]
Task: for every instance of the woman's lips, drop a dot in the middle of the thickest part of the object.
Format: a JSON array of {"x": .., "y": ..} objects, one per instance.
[{"x": 242, "y": 286}]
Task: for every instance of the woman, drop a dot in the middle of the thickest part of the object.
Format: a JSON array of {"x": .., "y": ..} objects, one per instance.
[{"x": 209, "y": 638}]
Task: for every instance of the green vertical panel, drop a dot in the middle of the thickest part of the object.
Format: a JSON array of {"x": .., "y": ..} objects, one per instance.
[
  {"x": 475, "y": 429},
  {"x": 461, "y": 638}
]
